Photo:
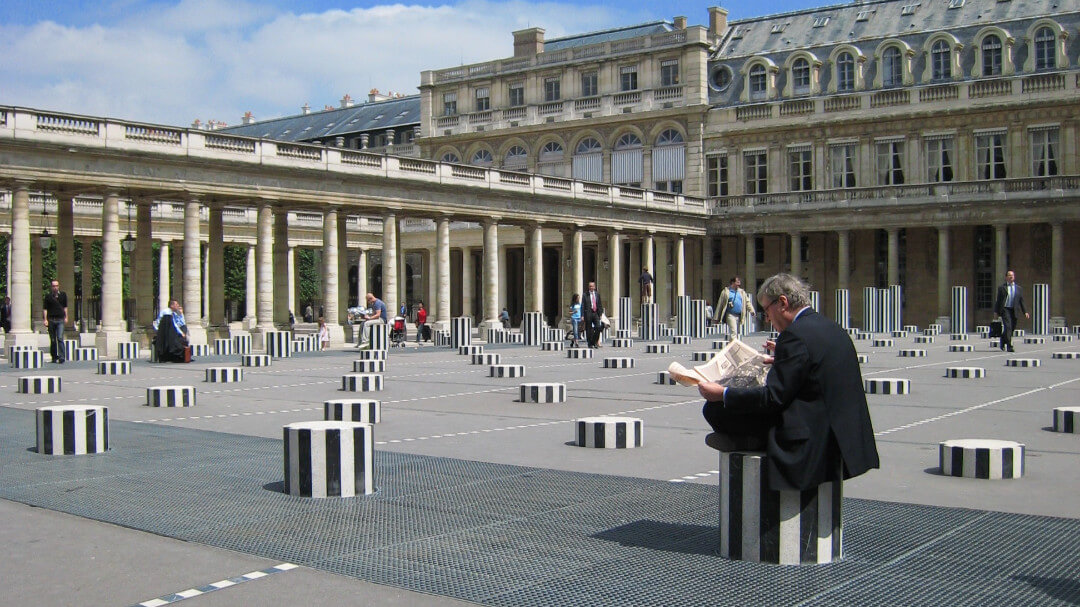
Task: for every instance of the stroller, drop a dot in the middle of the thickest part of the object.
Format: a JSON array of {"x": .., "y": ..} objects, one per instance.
[{"x": 397, "y": 331}]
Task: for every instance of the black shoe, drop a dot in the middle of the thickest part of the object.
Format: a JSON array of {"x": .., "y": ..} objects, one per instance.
[
  {"x": 726, "y": 442},
  {"x": 1010, "y": 350},
  {"x": 61, "y": 361}
]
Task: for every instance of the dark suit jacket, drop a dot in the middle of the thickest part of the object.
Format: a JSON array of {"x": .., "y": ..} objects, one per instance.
[
  {"x": 815, "y": 387},
  {"x": 1003, "y": 296},
  {"x": 586, "y": 307}
]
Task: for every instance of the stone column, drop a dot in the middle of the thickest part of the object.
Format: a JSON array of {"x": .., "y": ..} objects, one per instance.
[
  {"x": 615, "y": 273},
  {"x": 664, "y": 273},
  {"x": 636, "y": 263},
  {"x": 577, "y": 271},
  {"x": 1001, "y": 235},
  {"x": 163, "y": 276},
  {"x": 843, "y": 255},
  {"x": 680, "y": 266},
  {"x": 566, "y": 288},
  {"x": 19, "y": 291},
  {"x": 65, "y": 253},
  {"x": 111, "y": 332},
  {"x": 796, "y": 254},
  {"x": 361, "y": 277},
  {"x": 442, "y": 273},
  {"x": 601, "y": 272},
  {"x": 390, "y": 264},
  {"x": 215, "y": 274},
  {"x": 343, "y": 271},
  {"x": 264, "y": 272},
  {"x": 36, "y": 284},
  {"x": 468, "y": 282},
  {"x": 491, "y": 275},
  {"x": 894, "y": 255},
  {"x": 177, "y": 272},
  {"x": 290, "y": 286},
  {"x": 250, "y": 289},
  {"x": 707, "y": 268},
  {"x": 536, "y": 270},
  {"x": 330, "y": 278},
  {"x": 204, "y": 259},
  {"x": 1057, "y": 274},
  {"x": 648, "y": 259},
  {"x": 193, "y": 272},
  {"x": 282, "y": 277},
  {"x": 944, "y": 291},
  {"x": 145, "y": 309}
]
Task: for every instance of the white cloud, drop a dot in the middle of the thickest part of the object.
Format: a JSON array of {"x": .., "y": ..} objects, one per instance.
[{"x": 217, "y": 59}]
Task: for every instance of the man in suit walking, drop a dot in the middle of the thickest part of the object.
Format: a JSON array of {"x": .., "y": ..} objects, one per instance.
[
  {"x": 810, "y": 417},
  {"x": 1010, "y": 296},
  {"x": 591, "y": 310}
]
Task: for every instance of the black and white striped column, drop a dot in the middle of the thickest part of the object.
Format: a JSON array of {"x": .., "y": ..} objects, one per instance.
[
  {"x": 815, "y": 301},
  {"x": 497, "y": 336},
  {"x": 85, "y": 354},
  {"x": 255, "y": 360},
  {"x": 958, "y": 320},
  {"x": 1040, "y": 309},
  {"x": 361, "y": 382},
  {"x": 1067, "y": 419},
  {"x": 224, "y": 375},
  {"x": 470, "y": 350},
  {"x": 780, "y": 527},
  {"x": 70, "y": 345},
  {"x": 609, "y": 432},
  {"x": 353, "y": 410},
  {"x": 72, "y": 429},
  {"x": 506, "y": 371},
  {"x": 697, "y": 318},
  {"x": 127, "y": 350},
  {"x": 279, "y": 344},
  {"x": 242, "y": 343},
  {"x": 552, "y": 346},
  {"x": 886, "y": 385},
  {"x": 39, "y": 384},
  {"x": 682, "y": 315},
  {"x": 965, "y": 372},
  {"x": 114, "y": 367},
  {"x": 579, "y": 353},
  {"x": 486, "y": 358},
  {"x": 460, "y": 331},
  {"x": 626, "y": 319},
  {"x": 657, "y": 348},
  {"x": 981, "y": 458},
  {"x": 329, "y": 459},
  {"x": 542, "y": 393},
  {"x": 665, "y": 378},
  {"x": 223, "y": 347},
  {"x": 380, "y": 337},
  {"x": 619, "y": 362},
  {"x": 532, "y": 327},
  {"x": 885, "y": 312},
  {"x": 170, "y": 396},
  {"x": 1022, "y": 362},
  {"x": 896, "y": 292},
  {"x": 26, "y": 359},
  {"x": 650, "y": 322},
  {"x": 369, "y": 366},
  {"x": 871, "y": 310},
  {"x": 843, "y": 308}
]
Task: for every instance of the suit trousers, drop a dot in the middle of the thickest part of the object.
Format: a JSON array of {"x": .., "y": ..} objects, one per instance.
[
  {"x": 56, "y": 340},
  {"x": 1008, "y": 323}
]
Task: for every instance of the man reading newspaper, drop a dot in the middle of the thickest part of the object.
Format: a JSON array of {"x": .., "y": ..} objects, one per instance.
[{"x": 810, "y": 416}]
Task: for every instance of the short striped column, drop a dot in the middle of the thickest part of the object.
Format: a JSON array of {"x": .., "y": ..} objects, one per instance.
[
  {"x": 885, "y": 311},
  {"x": 983, "y": 331},
  {"x": 514, "y": 338},
  {"x": 242, "y": 343},
  {"x": 609, "y": 432},
  {"x": 1066, "y": 418},
  {"x": 279, "y": 344},
  {"x": 958, "y": 337},
  {"x": 552, "y": 346},
  {"x": 760, "y": 525},
  {"x": 1022, "y": 362},
  {"x": 556, "y": 334},
  {"x": 622, "y": 343},
  {"x": 127, "y": 350},
  {"x": 924, "y": 339},
  {"x": 843, "y": 308},
  {"x": 170, "y": 396},
  {"x": 681, "y": 340},
  {"x": 487, "y": 358},
  {"x": 1060, "y": 330},
  {"x": 619, "y": 362},
  {"x": 862, "y": 358},
  {"x": 682, "y": 315},
  {"x": 911, "y": 328},
  {"x": 912, "y": 353},
  {"x": 70, "y": 345},
  {"x": 373, "y": 355},
  {"x": 85, "y": 354},
  {"x": 26, "y": 359},
  {"x": 579, "y": 353},
  {"x": 933, "y": 329},
  {"x": 532, "y": 327},
  {"x": 39, "y": 384},
  {"x": 697, "y": 318},
  {"x": 958, "y": 319},
  {"x": 1040, "y": 309},
  {"x": 896, "y": 294},
  {"x": 624, "y": 334},
  {"x": 657, "y": 348},
  {"x": 871, "y": 310},
  {"x": 1066, "y": 355},
  {"x": 665, "y": 378},
  {"x": 720, "y": 344},
  {"x": 886, "y": 385},
  {"x": 542, "y": 393},
  {"x": 860, "y": 336},
  {"x": 965, "y": 372},
  {"x": 329, "y": 459},
  {"x": 666, "y": 331},
  {"x": 506, "y": 371},
  {"x": 224, "y": 375},
  {"x": 440, "y": 338},
  {"x": 626, "y": 319},
  {"x": 1064, "y": 338},
  {"x": 497, "y": 336},
  {"x": 470, "y": 350},
  {"x": 361, "y": 382},
  {"x": 703, "y": 356},
  {"x": 353, "y": 410},
  {"x": 900, "y": 334},
  {"x": 72, "y": 429},
  {"x": 815, "y": 301},
  {"x": 883, "y": 343},
  {"x": 369, "y": 366},
  {"x": 300, "y": 345},
  {"x": 981, "y": 458},
  {"x": 961, "y": 348},
  {"x": 223, "y": 347},
  {"x": 380, "y": 337},
  {"x": 650, "y": 323},
  {"x": 255, "y": 360},
  {"x": 114, "y": 367},
  {"x": 1034, "y": 339},
  {"x": 460, "y": 331}
]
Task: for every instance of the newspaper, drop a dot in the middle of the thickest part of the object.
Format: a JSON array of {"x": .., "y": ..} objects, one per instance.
[{"x": 737, "y": 365}]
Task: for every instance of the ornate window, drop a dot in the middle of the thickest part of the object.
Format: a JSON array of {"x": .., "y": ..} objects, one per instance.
[
  {"x": 1044, "y": 151},
  {"x": 991, "y": 55},
  {"x": 800, "y": 169},
  {"x": 628, "y": 78},
  {"x": 940, "y": 61},
  {"x": 449, "y": 101},
  {"x": 516, "y": 159},
  {"x": 890, "y": 162},
  {"x": 1045, "y": 43},
  {"x": 552, "y": 90},
  {"x": 757, "y": 172},
  {"x": 626, "y": 161},
  {"x": 892, "y": 67},
  {"x": 940, "y": 152},
  {"x": 842, "y": 165},
  {"x": 588, "y": 160},
  {"x": 990, "y": 155},
  {"x": 482, "y": 158},
  {"x": 551, "y": 160},
  {"x": 716, "y": 175},
  {"x": 589, "y": 86},
  {"x": 516, "y": 94},
  {"x": 483, "y": 99},
  {"x": 451, "y": 157},
  {"x": 669, "y": 161},
  {"x": 800, "y": 76},
  {"x": 669, "y": 72},
  {"x": 758, "y": 83},
  {"x": 845, "y": 72}
]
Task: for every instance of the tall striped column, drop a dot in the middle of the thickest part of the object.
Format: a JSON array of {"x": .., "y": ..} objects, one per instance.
[
  {"x": 682, "y": 315},
  {"x": 870, "y": 309},
  {"x": 1040, "y": 309},
  {"x": 815, "y": 301},
  {"x": 885, "y": 311},
  {"x": 697, "y": 318},
  {"x": 460, "y": 331},
  {"x": 532, "y": 327},
  {"x": 650, "y": 324},
  {"x": 626, "y": 320},
  {"x": 897, "y": 292},
  {"x": 843, "y": 309},
  {"x": 958, "y": 322}
]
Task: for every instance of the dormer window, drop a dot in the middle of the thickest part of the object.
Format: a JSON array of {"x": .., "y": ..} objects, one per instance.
[
  {"x": 779, "y": 27},
  {"x": 909, "y": 9},
  {"x": 864, "y": 15},
  {"x": 821, "y": 21}
]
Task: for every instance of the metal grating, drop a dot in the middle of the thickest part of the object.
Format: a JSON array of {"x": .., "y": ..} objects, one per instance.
[{"x": 516, "y": 536}]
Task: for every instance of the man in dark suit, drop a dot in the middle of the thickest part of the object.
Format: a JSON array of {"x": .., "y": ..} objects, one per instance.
[
  {"x": 810, "y": 417},
  {"x": 591, "y": 309},
  {"x": 1010, "y": 296}
]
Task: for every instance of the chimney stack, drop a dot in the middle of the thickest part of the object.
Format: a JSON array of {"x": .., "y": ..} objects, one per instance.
[
  {"x": 528, "y": 43},
  {"x": 717, "y": 22},
  {"x": 680, "y": 23},
  {"x": 248, "y": 118},
  {"x": 346, "y": 101},
  {"x": 306, "y": 109}
]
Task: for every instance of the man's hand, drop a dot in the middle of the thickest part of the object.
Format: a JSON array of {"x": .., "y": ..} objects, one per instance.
[
  {"x": 712, "y": 391},
  {"x": 1026, "y": 315}
]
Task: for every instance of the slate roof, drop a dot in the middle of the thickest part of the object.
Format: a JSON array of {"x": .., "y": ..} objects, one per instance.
[
  {"x": 327, "y": 124},
  {"x": 622, "y": 33}
]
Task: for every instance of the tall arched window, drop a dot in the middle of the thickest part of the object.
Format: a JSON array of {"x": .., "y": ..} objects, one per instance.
[
  {"x": 1045, "y": 49},
  {"x": 759, "y": 86},
  {"x": 892, "y": 67},
  {"x": 626, "y": 161},
  {"x": 991, "y": 56},
  {"x": 800, "y": 77},
  {"x": 451, "y": 157},
  {"x": 845, "y": 72},
  {"x": 551, "y": 160},
  {"x": 516, "y": 159},
  {"x": 482, "y": 158},
  {"x": 940, "y": 61},
  {"x": 669, "y": 161},
  {"x": 589, "y": 160}
]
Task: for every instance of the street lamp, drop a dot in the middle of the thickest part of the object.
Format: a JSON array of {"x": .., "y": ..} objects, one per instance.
[
  {"x": 129, "y": 241},
  {"x": 45, "y": 240}
]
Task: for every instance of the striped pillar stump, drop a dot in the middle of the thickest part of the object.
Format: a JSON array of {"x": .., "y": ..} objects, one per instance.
[
  {"x": 900, "y": 334},
  {"x": 497, "y": 336},
  {"x": 666, "y": 331},
  {"x": 682, "y": 315},
  {"x": 255, "y": 360},
  {"x": 853, "y": 332},
  {"x": 624, "y": 334},
  {"x": 958, "y": 319},
  {"x": 609, "y": 432},
  {"x": 300, "y": 345},
  {"x": 995, "y": 343},
  {"x": 965, "y": 372},
  {"x": 883, "y": 343},
  {"x": 552, "y": 346},
  {"x": 885, "y": 313},
  {"x": 170, "y": 396},
  {"x": 506, "y": 371},
  {"x": 622, "y": 343},
  {"x": 373, "y": 355},
  {"x": 224, "y": 375},
  {"x": 843, "y": 308},
  {"x": 860, "y": 336},
  {"x": 12, "y": 349},
  {"x": 72, "y": 429},
  {"x": 665, "y": 378},
  {"x": 896, "y": 300},
  {"x": 619, "y": 362},
  {"x": 681, "y": 340},
  {"x": 352, "y": 410},
  {"x": 329, "y": 459},
  {"x": 1066, "y": 418},
  {"x": 1019, "y": 333},
  {"x": 579, "y": 353},
  {"x": 626, "y": 319},
  {"x": 70, "y": 345},
  {"x": 27, "y": 359},
  {"x": 981, "y": 458},
  {"x": 933, "y": 329},
  {"x": 313, "y": 342},
  {"x": 223, "y": 347},
  {"x": 924, "y": 339},
  {"x": 958, "y": 336},
  {"x": 361, "y": 382},
  {"x": 440, "y": 338},
  {"x": 1060, "y": 330},
  {"x": 1040, "y": 309},
  {"x": 983, "y": 331},
  {"x": 85, "y": 354},
  {"x": 127, "y": 350},
  {"x": 369, "y": 366},
  {"x": 1062, "y": 338},
  {"x": 863, "y": 358},
  {"x": 886, "y": 385},
  {"x": 1022, "y": 362},
  {"x": 487, "y": 358},
  {"x": 720, "y": 344},
  {"x": 279, "y": 344},
  {"x": 460, "y": 331},
  {"x": 514, "y": 338},
  {"x": 532, "y": 327},
  {"x": 650, "y": 322},
  {"x": 380, "y": 337},
  {"x": 542, "y": 393},
  {"x": 470, "y": 350},
  {"x": 1033, "y": 339},
  {"x": 703, "y": 356},
  {"x": 657, "y": 348},
  {"x": 39, "y": 384},
  {"x": 241, "y": 344},
  {"x": 554, "y": 334},
  {"x": 815, "y": 301},
  {"x": 760, "y": 525},
  {"x": 698, "y": 320},
  {"x": 200, "y": 350},
  {"x": 114, "y": 367},
  {"x": 912, "y": 353},
  {"x": 871, "y": 310},
  {"x": 911, "y": 328},
  {"x": 961, "y": 348},
  {"x": 1066, "y": 355}
]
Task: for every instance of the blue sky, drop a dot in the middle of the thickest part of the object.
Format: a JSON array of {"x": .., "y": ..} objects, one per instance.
[{"x": 172, "y": 61}]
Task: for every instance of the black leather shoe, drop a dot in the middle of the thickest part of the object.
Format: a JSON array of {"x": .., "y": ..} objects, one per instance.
[{"x": 1010, "y": 350}]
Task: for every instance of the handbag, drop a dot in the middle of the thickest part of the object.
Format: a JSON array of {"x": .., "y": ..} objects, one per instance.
[
  {"x": 996, "y": 328},
  {"x": 604, "y": 320}
]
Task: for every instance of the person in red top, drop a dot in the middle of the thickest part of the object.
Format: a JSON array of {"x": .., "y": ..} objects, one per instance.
[{"x": 421, "y": 322}]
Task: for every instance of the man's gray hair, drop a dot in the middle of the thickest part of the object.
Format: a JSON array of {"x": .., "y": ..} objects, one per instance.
[{"x": 796, "y": 291}]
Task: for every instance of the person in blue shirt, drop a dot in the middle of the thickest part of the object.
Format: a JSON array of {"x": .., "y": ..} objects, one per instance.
[
  {"x": 575, "y": 319},
  {"x": 377, "y": 316},
  {"x": 733, "y": 306}
]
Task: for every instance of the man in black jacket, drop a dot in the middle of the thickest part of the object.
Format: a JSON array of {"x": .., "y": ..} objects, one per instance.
[
  {"x": 591, "y": 310},
  {"x": 55, "y": 314},
  {"x": 810, "y": 417},
  {"x": 1009, "y": 297}
]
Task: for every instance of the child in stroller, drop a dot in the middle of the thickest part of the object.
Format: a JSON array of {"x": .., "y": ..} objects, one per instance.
[{"x": 397, "y": 332}]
